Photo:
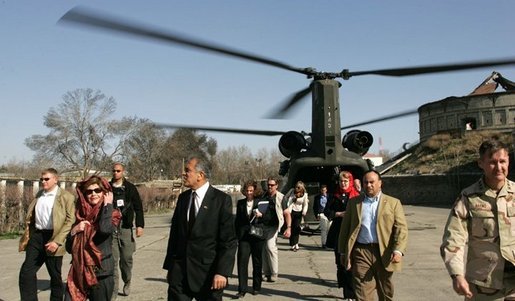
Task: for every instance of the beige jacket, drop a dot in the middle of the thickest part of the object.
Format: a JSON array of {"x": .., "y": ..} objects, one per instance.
[
  {"x": 483, "y": 222},
  {"x": 392, "y": 229},
  {"x": 63, "y": 217}
]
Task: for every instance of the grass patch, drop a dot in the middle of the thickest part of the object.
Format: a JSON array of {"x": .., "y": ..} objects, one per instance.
[{"x": 10, "y": 235}]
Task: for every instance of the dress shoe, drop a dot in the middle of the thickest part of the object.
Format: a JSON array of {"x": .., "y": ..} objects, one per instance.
[
  {"x": 273, "y": 278},
  {"x": 255, "y": 292},
  {"x": 239, "y": 295},
  {"x": 127, "y": 288}
]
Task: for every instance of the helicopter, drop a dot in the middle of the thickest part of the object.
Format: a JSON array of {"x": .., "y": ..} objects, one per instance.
[{"x": 316, "y": 157}]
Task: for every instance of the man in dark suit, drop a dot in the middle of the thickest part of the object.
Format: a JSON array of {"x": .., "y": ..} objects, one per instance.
[{"x": 202, "y": 242}]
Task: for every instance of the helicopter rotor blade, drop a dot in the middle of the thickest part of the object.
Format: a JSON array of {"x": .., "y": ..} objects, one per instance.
[
  {"x": 432, "y": 68},
  {"x": 219, "y": 129},
  {"x": 286, "y": 106},
  {"x": 87, "y": 17},
  {"x": 384, "y": 118}
]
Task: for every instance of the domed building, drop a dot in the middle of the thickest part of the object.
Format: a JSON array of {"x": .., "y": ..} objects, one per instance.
[{"x": 483, "y": 109}]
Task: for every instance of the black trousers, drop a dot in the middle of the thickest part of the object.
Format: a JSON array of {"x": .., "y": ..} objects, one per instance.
[
  {"x": 344, "y": 278},
  {"x": 248, "y": 246},
  {"x": 179, "y": 290},
  {"x": 296, "y": 219},
  {"x": 101, "y": 292},
  {"x": 35, "y": 256}
]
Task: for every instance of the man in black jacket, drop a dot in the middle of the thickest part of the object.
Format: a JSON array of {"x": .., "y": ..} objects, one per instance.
[
  {"x": 127, "y": 199},
  {"x": 202, "y": 242}
]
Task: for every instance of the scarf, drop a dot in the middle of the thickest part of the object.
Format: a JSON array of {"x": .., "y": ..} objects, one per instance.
[{"x": 86, "y": 257}]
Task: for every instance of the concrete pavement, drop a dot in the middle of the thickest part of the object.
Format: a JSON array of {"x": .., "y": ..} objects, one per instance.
[{"x": 309, "y": 274}]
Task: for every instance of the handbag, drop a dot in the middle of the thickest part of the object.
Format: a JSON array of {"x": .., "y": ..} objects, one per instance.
[{"x": 256, "y": 230}]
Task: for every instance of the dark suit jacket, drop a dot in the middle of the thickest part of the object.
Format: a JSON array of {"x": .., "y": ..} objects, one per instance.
[
  {"x": 316, "y": 204},
  {"x": 211, "y": 246}
]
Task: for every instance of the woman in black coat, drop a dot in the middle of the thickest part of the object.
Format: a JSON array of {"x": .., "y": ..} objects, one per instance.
[
  {"x": 89, "y": 242},
  {"x": 248, "y": 244}
]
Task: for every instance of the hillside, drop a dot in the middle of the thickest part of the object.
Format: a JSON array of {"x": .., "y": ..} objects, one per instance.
[{"x": 443, "y": 154}]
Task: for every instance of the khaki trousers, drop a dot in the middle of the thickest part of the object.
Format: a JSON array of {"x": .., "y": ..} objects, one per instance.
[
  {"x": 369, "y": 275},
  {"x": 271, "y": 257},
  {"x": 324, "y": 228},
  {"x": 488, "y": 294}
]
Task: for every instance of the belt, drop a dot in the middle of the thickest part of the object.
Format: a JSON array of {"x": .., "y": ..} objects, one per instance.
[
  {"x": 367, "y": 245},
  {"x": 45, "y": 231}
]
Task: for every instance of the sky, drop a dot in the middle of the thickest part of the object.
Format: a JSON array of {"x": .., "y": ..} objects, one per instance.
[{"x": 40, "y": 61}]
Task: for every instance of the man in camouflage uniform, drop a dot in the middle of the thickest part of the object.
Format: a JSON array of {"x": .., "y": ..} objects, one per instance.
[{"x": 483, "y": 220}]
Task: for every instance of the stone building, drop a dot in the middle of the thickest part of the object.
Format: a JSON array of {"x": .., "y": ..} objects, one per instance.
[{"x": 483, "y": 109}]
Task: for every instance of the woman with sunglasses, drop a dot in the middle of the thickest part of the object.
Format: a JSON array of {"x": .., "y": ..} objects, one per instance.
[
  {"x": 297, "y": 200},
  {"x": 89, "y": 242}
]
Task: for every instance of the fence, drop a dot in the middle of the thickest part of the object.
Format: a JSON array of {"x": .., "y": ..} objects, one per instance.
[{"x": 16, "y": 195}]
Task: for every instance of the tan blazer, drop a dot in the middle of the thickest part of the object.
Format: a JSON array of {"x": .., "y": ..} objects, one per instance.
[
  {"x": 63, "y": 217},
  {"x": 392, "y": 229}
]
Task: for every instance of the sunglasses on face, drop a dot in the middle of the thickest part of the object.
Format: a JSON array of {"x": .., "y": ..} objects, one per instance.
[
  {"x": 117, "y": 170},
  {"x": 90, "y": 191},
  {"x": 271, "y": 185},
  {"x": 44, "y": 179}
]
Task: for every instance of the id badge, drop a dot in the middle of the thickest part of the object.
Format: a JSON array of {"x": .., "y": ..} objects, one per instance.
[{"x": 120, "y": 203}]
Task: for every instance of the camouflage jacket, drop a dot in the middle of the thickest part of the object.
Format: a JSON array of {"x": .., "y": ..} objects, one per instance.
[{"x": 482, "y": 221}]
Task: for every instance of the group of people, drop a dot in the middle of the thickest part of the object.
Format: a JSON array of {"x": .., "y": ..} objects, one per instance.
[
  {"x": 95, "y": 228},
  {"x": 368, "y": 231}
]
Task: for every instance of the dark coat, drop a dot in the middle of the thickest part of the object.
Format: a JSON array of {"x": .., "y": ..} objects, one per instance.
[
  {"x": 317, "y": 209},
  {"x": 335, "y": 204},
  {"x": 133, "y": 205},
  {"x": 102, "y": 239},
  {"x": 211, "y": 246},
  {"x": 242, "y": 220}
]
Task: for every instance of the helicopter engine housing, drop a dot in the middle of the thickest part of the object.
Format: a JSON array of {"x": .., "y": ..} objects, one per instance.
[
  {"x": 291, "y": 143},
  {"x": 357, "y": 141}
]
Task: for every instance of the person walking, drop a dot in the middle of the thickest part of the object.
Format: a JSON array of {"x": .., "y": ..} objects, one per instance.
[
  {"x": 276, "y": 214},
  {"x": 126, "y": 198},
  {"x": 90, "y": 242},
  {"x": 335, "y": 211},
  {"x": 478, "y": 244},
  {"x": 249, "y": 244},
  {"x": 297, "y": 200},
  {"x": 49, "y": 219},
  {"x": 319, "y": 203},
  {"x": 373, "y": 239},
  {"x": 202, "y": 242}
]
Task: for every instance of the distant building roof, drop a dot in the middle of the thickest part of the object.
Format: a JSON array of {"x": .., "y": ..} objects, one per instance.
[{"x": 490, "y": 84}]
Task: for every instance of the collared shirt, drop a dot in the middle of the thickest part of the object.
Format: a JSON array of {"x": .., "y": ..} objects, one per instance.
[
  {"x": 200, "y": 193},
  {"x": 368, "y": 232},
  {"x": 43, "y": 211},
  {"x": 323, "y": 202}
]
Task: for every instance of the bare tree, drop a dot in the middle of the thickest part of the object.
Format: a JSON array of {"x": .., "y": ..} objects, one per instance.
[
  {"x": 143, "y": 151},
  {"x": 82, "y": 134},
  {"x": 180, "y": 145}
]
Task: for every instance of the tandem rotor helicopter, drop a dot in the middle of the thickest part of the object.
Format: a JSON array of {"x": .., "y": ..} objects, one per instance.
[{"x": 315, "y": 157}]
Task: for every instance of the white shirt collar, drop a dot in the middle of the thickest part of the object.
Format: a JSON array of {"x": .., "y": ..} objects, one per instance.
[{"x": 201, "y": 191}]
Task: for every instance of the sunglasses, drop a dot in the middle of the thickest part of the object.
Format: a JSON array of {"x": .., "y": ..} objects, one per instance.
[
  {"x": 272, "y": 184},
  {"x": 117, "y": 170},
  {"x": 90, "y": 191},
  {"x": 44, "y": 179}
]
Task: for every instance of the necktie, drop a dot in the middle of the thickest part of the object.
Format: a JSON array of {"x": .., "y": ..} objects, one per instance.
[{"x": 191, "y": 217}]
